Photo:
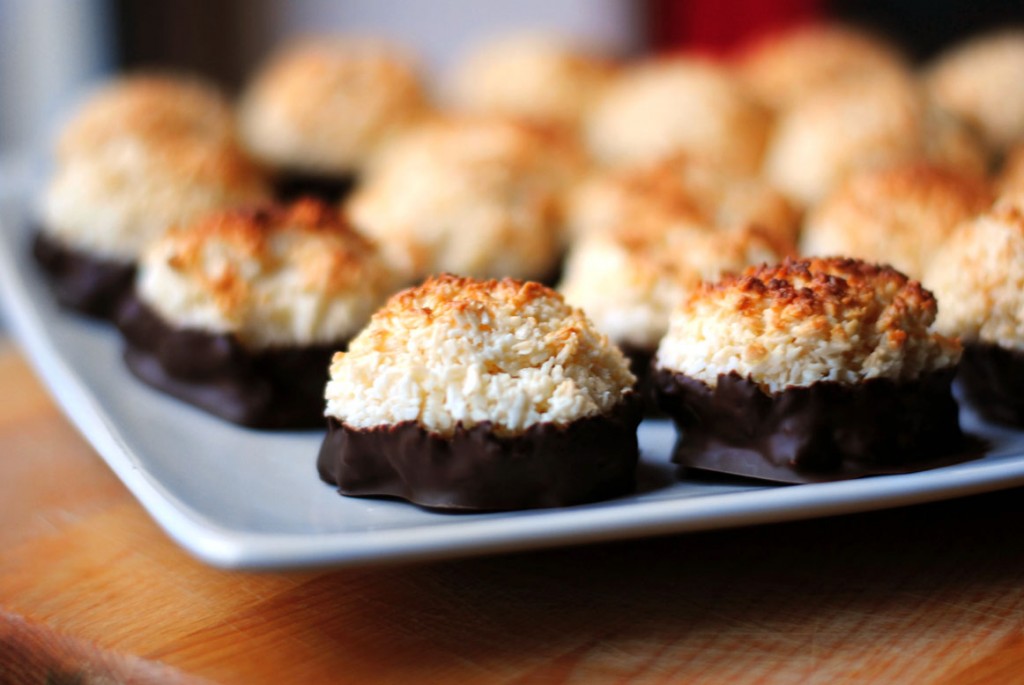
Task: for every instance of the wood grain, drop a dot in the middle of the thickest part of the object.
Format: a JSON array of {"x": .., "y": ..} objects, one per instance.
[{"x": 929, "y": 594}]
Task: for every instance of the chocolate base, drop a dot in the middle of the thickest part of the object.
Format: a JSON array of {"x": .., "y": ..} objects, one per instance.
[
  {"x": 593, "y": 458},
  {"x": 992, "y": 379},
  {"x": 292, "y": 186},
  {"x": 640, "y": 360},
  {"x": 274, "y": 388},
  {"x": 823, "y": 431},
  {"x": 91, "y": 285}
]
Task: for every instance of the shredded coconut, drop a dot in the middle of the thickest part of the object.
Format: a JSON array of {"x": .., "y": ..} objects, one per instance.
[
  {"x": 808, "y": 321},
  {"x": 663, "y": 107},
  {"x": 477, "y": 196},
  {"x": 978, "y": 278},
  {"x": 328, "y": 105},
  {"x": 458, "y": 351},
  {"x": 272, "y": 277}
]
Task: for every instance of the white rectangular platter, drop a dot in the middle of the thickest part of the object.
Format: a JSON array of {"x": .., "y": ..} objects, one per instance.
[{"x": 239, "y": 498}]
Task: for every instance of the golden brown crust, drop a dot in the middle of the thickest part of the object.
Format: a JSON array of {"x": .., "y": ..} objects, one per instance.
[
  {"x": 272, "y": 276},
  {"x": 339, "y": 262},
  {"x": 439, "y": 297},
  {"x": 807, "y": 287}
]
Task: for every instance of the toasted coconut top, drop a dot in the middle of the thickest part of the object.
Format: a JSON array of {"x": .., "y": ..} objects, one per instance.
[
  {"x": 978, "y": 276},
  {"x": 457, "y": 351},
  {"x": 327, "y": 105},
  {"x": 806, "y": 321},
  {"x": 274, "y": 276}
]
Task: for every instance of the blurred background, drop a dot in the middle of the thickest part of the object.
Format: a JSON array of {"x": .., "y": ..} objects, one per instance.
[{"x": 51, "y": 49}]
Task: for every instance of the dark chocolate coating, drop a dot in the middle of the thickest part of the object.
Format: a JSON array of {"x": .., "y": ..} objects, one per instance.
[
  {"x": 590, "y": 459},
  {"x": 818, "y": 432},
  {"x": 91, "y": 285},
  {"x": 290, "y": 186},
  {"x": 992, "y": 378},
  {"x": 274, "y": 388},
  {"x": 640, "y": 359}
]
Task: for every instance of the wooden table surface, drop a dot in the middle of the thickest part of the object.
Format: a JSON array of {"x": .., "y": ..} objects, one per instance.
[{"x": 91, "y": 591}]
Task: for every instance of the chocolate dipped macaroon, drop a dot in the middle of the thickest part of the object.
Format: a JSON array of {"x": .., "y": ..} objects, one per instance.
[
  {"x": 321, "y": 108},
  {"x": 143, "y": 153},
  {"x": 240, "y": 312},
  {"x": 810, "y": 370},
  {"x": 481, "y": 395},
  {"x": 978, "y": 278}
]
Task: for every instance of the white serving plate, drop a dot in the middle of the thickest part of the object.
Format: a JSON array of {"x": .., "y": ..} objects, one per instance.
[{"x": 238, "y": 498}]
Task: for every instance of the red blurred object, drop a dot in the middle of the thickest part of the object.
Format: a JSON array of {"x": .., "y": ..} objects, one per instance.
[{"x": 721, "y": 26}]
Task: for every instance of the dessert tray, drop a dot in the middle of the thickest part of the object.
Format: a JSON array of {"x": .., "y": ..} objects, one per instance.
[{"x": 240, "y": 498}]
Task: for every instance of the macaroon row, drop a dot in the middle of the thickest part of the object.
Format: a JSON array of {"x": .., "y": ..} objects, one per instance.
[
  {"x": 507, "y": 174},
  {"x": 495, "y": 394}
]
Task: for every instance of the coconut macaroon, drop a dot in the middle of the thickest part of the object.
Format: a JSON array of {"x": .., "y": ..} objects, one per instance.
[
  {"x": 679, "y": 190},
  {"x": 321, "y": 108},
  {"x": 679, "y": 105},
  {"x": 861, "y": 123},
  {"x": 471, "y": 394},
  {"x": 830, "y": 367},
  {"x": 978, "y": 277},
  {"x": 107, "y": 200},
  {"x": 979, "y": 80},
  {"x": 784, "y": 67},
  {"x": 630, "y": 279},
  {"x": 539, "y": 77},
  {"x": 478, "y": 195},
  {"x": 899, "y": 215},
  {"x": 240, "y": 311},
  {"x": 148, "y": 106}
]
